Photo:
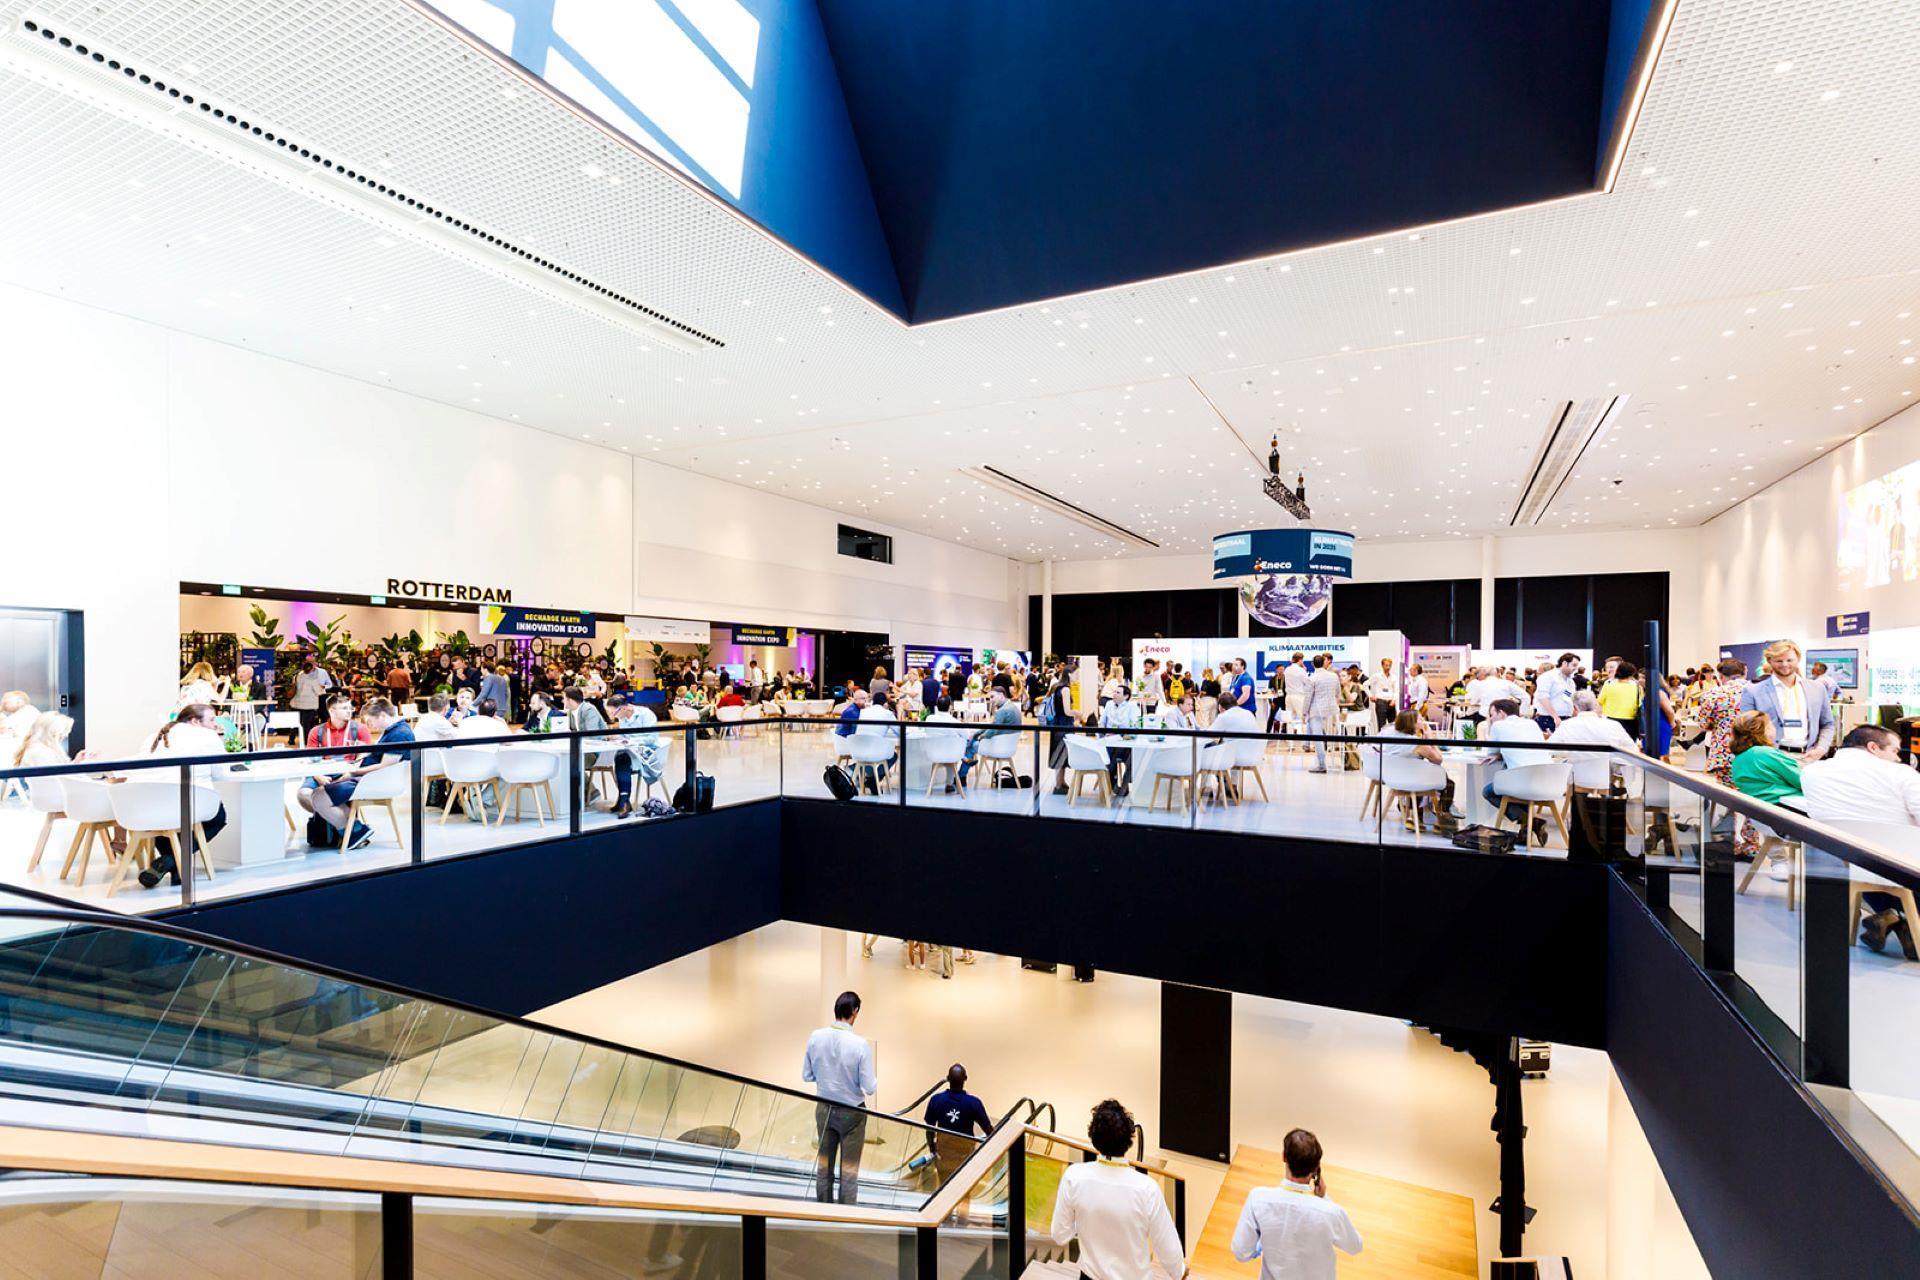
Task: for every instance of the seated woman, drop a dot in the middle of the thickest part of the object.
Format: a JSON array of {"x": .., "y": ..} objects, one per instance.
[
  {"x": 1763, "y": 771},
  {"x": 46, "y": 743},
  {"x": 197, "y": 685}
]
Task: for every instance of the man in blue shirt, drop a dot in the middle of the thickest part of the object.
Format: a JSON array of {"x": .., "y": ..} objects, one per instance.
[
  {"x": 929, "y": 689},
  {"x": 839, "y": 1066},
  {"x": 857, "y": 701},
  {"x": 954, "y": 1110},
  {"x": 1240, "y": 692},
  {"x": 331, "y": 800}
]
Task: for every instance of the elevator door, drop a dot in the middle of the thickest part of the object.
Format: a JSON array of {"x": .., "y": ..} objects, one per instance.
[{"x": 36, "y": 657}]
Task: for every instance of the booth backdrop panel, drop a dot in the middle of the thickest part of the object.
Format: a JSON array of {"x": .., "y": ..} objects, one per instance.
[
  {"x": 1509, "y": 945},
  {"x": 527, "y": 927},
  {"x": 1106, "y": 622},
  {"x": 1717, "y": 1108},
  {"x": 1604, "y": 612}
]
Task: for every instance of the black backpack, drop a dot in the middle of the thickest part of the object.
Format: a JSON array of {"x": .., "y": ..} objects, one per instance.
[
  {"x": 839, "y": 782},
  {"x": 695, "y": 796},
  {"x": 320, "y": 833}
]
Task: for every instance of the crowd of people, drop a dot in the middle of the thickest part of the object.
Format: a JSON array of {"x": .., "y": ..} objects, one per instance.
[{"x": 1109, "y": 1205}]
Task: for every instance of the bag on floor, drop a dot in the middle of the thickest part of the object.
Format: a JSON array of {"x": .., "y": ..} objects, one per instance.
[
  {"x": 695, "y": 796},
  {"x": 1483, "y": 840},
  {"x": 839, "y": 782},
  {"x": 655, "y": 807},
  {"x": 320, "y": 833}
]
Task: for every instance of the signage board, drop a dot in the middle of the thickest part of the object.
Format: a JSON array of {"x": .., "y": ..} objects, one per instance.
[
  {"x": 1017, "y": 659},
  {"x": 1842, "y": 625},
  {"x": 420, "y": 589},
  {"x": 512, "y": 621},
  {"x": 668, "y": 630},
  {"x": 1529, "y": 659},
  {"x": 938, "y": 659},
  {"x": 1441, "y": 664},
  {"x": 1264, "y": 654},
  {"x": 1893, "y": 667},
  {"x": 1258, "y": 552},
  {"x": 779, "y": 637}
]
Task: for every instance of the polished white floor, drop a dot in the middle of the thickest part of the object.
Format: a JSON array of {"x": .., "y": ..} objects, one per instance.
[{"x": 1384, "y": 1097}]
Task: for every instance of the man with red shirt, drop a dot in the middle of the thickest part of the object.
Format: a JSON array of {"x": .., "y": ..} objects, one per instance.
[{"x": 339, "y": 729}]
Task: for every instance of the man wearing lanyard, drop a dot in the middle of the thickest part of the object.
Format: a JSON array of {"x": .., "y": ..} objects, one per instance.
[
  {"x": 1553, "y": 693},
  {"x": 1802, "y": 717},
  {"x": 839, "y": 1066},
  {"x": 1115, "y": 1210},
  {"x": 1293, "y": 1228},
  {"x": 1383, "y": 693}
]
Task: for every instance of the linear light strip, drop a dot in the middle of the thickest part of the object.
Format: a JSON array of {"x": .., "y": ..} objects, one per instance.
[
  {"x": 1059, "y": 506},
  {"x": 1650, "y": 57},
  {"x": 184, "y": 117}
]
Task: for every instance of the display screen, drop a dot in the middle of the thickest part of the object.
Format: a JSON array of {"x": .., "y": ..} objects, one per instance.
[
  {"x": 1880, "y": 530},
  {"x": 1842, "y": 664}
]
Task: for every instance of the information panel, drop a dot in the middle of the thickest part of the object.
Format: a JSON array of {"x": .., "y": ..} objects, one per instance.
[
  {"x": 1258, "y": 552},
  {"x": 779, "y": 636},
  {"x": 939, "y": 659},
  {"x": 514, "y": 621}
]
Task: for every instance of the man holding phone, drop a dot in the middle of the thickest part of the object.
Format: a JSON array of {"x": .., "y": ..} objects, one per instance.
[{"x": 1293, "y": 1228}]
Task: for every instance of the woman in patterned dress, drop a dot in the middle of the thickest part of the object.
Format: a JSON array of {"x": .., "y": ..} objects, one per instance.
[{"x": 1718, "y": 706}]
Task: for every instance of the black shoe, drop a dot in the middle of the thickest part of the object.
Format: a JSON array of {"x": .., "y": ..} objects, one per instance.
[
  {"x": 1059, "y": 791},
  {"x": 1540, "y": 830},
  {"x": 162, "y": 866},
  {"x": 951, "y": 788},
  {"x": 361, "y": 836},
  {"x": 1874, "y": 929},
  {"x": 623, "y": 810},
  {"x": 1904, "y": 932}
]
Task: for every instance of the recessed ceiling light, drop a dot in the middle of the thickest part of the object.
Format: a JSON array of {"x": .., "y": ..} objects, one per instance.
[{"x": 1781, "y": 68}]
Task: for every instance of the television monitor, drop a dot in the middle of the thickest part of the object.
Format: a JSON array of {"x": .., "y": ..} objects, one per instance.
[{"x": 1842, "y": 664}]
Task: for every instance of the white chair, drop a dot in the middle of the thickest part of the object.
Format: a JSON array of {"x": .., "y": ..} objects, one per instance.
[
  {"x": 998, "y": 752},
  {"x": 526, "y": 770},
  {"x": 378, "y": 790},
  {"x": 870, "y": 754},
  {"x": 1900, "y": 839},
  {"x": 1370, "y": 770},
  {"x": 942, "y": 749},
  {"x": 91, "y": 807},
  {"x": 47, "y": 798},
  {"x": 1249, "y": 757},
  {"x": 1216, "y": 759},
  {"x": 469, "y": 770},
  {"x": 1174, "y": 769},
  {"x": 1357, "y": 722},
  {"x": 1531, "y": 786},
  {"x": 729, "y": 719},
  {"x": 287, "y": 722},
  {"x": 150, "y": 812},
  {"x": 1408, "y": 782},
  {"x": 1087, "y": 758}
]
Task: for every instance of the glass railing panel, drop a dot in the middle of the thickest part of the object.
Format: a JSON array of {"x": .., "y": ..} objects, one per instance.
[
  {"x": 807, "y": 747},
  {"x": 1675, "y": 830},
  {"x": 818, "y": 1251},
  {"x": 1047, "y": 1163},
  {"x": 1768, "y": 916},
  {"x": 743, "y": 758},
  {"x": 493, "y": 795},
  {"x": 455, "y": 1239},
  {"x": 99, "y": 1228},
  {"x": 88, "y": 837},
  {"x": 972, "y": 1239}
]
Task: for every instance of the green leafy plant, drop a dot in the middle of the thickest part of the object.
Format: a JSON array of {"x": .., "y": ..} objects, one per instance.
[
  {"x": 329, "y": 642},
  {"x": 266, "y": 631},
  {"x": 703, "y": 652},
  {"x": 458, "y": 644},
  {"x": 612, "y": 655}
]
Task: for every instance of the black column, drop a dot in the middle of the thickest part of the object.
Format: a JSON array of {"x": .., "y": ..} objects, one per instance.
[
  {"x": 1196, "y": 1070},
  {"x": 753, "y": 1249},
  {"x": 1016, "y": 1241},
  {"x": 396, "y": 1235},
  {"x": 1827, "y": 946}
]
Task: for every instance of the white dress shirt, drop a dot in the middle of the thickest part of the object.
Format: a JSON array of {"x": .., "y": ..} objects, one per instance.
[
  {"x": 1296, "y": 679},
  {"x": 1854, "y": 785},
  {"x": 1418, "y": 691},
  {"x": 1120, "y": 715},
  {"x": 839, "y": 1065},
  {"x": 1554, "y": 692},
  {"x": 1591, "y": 769},
  {"x": 1380, "y": 687},
  {"x": 1293, "y": 1232},
  {"x": 433, "y": 727},
  {"x": 1481, "y": 692},
  {"x": 479, "y": 726},
  {"x": 1121, "y": 1219},
  {"x": 1519, "y": 729}
]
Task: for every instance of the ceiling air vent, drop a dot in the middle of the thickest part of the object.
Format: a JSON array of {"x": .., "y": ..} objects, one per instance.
[
  {"x": 1572, "y": 429},
  {"x": 1039, "y": 497},
  {"x": 78, "y": 67}
]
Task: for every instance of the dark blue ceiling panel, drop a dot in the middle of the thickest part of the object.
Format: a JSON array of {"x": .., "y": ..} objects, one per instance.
[{"x": 1024, "y": 149}]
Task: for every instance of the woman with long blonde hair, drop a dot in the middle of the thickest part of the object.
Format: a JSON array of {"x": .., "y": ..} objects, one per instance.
[{"x": 197, "y": 684}]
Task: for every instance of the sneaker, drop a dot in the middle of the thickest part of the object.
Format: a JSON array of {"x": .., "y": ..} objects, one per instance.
[
  {"x": 1778, "y": 870},
  {"x": 361, "y": 837}
]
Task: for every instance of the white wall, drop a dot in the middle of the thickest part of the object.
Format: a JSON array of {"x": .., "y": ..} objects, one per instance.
[
  {"x": 1769, "y": 563},
  {"x": 1647, "y": 1238},
  {"x": 1674, "y": 551},
  {"x": 139, "y": 458}
]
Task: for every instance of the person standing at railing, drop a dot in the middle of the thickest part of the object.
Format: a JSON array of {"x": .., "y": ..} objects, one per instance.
[
  {"x": 1115, "y": 1210},
  {"x": 1865, "y": 782},
  {"x": 839, "y": 1066},
  {"x": 1323, "y": 707},
  {"x": 1293, "y": 1228},
  {"x": 955, "y": 1111}
]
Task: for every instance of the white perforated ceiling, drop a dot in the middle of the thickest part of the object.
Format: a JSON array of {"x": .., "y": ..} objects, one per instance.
[{"x": 1750, "y": 284}]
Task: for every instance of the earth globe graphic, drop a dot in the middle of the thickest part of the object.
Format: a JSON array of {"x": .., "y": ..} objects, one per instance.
[{"x": 1286, "y": 600}]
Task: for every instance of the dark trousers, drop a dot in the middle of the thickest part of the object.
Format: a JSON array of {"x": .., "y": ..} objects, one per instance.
[
  {"x": 167, "y": 865},
  {"x": 842, "y": 1131},
  {"x": 309, "y": 717},
  {"x": 1120, "y": 762},
  {"x": 623, "y": 776},
  {"x": 1382, "y": 713},
  {"x": 1546, "y": 723},
  {"x": 1631, "y": 726}
]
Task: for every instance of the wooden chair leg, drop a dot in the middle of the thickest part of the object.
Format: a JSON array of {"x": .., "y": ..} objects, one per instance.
[
  {"x": 1793, "y": 875},
  {"x": 82, "y": 847},
  {"x": 1753, "y": 868},
  {"x": 546, "y": 789},
  {"x": 1260, "y": 776},
  {"x": 81, "y": 832},
  {"x": 1561, "y": 822},
  {"x": 201, "y": 851},
  {"x": 134, "y": 856},
  {"x": 1857, "y": 892},
  {"x": 40, "y": 845}
]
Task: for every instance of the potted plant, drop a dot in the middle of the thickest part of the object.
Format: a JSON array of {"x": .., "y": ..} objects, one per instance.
[
  {"x": 329, "y": 642},
  {"x": 266, "y": 631}
]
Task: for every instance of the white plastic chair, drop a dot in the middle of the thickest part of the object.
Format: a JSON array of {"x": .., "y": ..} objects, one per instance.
[
  {"x": 91, "y": 808},
  {"x": 871, "y": 752},
  {"x": 1087, "y": 758},
  {"x": 1408, "y": 780},
  {"x": 285, "y": 722},
  {"x": 683, "y": 715},
  {"x": 46, "y": 797},
  {"x": 998, "y": 751},
  {"x": 378, "y": 790},
  {"x": 729, "y": 719},
  {"x": 943, "y": 751},
  {"x": 1173, "y": 769},
  {"x": 1216, "y": 759},
  {"x": 1531, "y": 785},
  {"x": 469, "y": 771},
  {"x": 150, "y": 812},
  {"x": 524, "y": 770}
]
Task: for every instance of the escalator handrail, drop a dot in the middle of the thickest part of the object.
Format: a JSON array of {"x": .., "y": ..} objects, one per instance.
[
  {"x": 174, "y": 932},
  {"x": 926, "y": 1093}
]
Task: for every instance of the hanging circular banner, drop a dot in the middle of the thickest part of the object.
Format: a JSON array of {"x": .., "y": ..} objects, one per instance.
[{"x": 1286, "y": 576}]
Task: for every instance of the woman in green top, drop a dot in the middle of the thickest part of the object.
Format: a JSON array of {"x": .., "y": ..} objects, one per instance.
[{"x": 1760, "y": 769}]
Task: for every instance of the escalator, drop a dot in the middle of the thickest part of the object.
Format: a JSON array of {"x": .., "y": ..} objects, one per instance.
[{"x": 132, "y": 1046}]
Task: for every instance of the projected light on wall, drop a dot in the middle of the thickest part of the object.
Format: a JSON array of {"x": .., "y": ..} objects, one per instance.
[
  {"x": 676, "y": 76},
  {"x": 1879, "y": 541}
]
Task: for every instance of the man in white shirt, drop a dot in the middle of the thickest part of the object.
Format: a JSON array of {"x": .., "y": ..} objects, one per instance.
[
  {"x": 839, "y": 1066},
  {"x": 1119, "y": 712},
  {"x": 1384, "y": 691},
  {"x": 1865, "y": 782},
  {"x": 434, "y": 725},
  {"x": 485, "y": 722},
  {"x": 1295, "y": 679},
  {"x": 1553, "y": 693},
  {"x": 1115, "y": 1210},
  {"x": 1323, "y": 706},
  {"x": 1418, "y": 689},
  {"x": 310, "y": 684},
  {"x": 1482, "y": 688},
  {"x": 1293, "y": 1228},
  {"x": 1592, "y": 770},
  {"x": 1506, "y": 724}
]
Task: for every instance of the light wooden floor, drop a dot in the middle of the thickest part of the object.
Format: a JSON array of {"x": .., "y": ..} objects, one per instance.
[{"x": 1408, "y": 1232}]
